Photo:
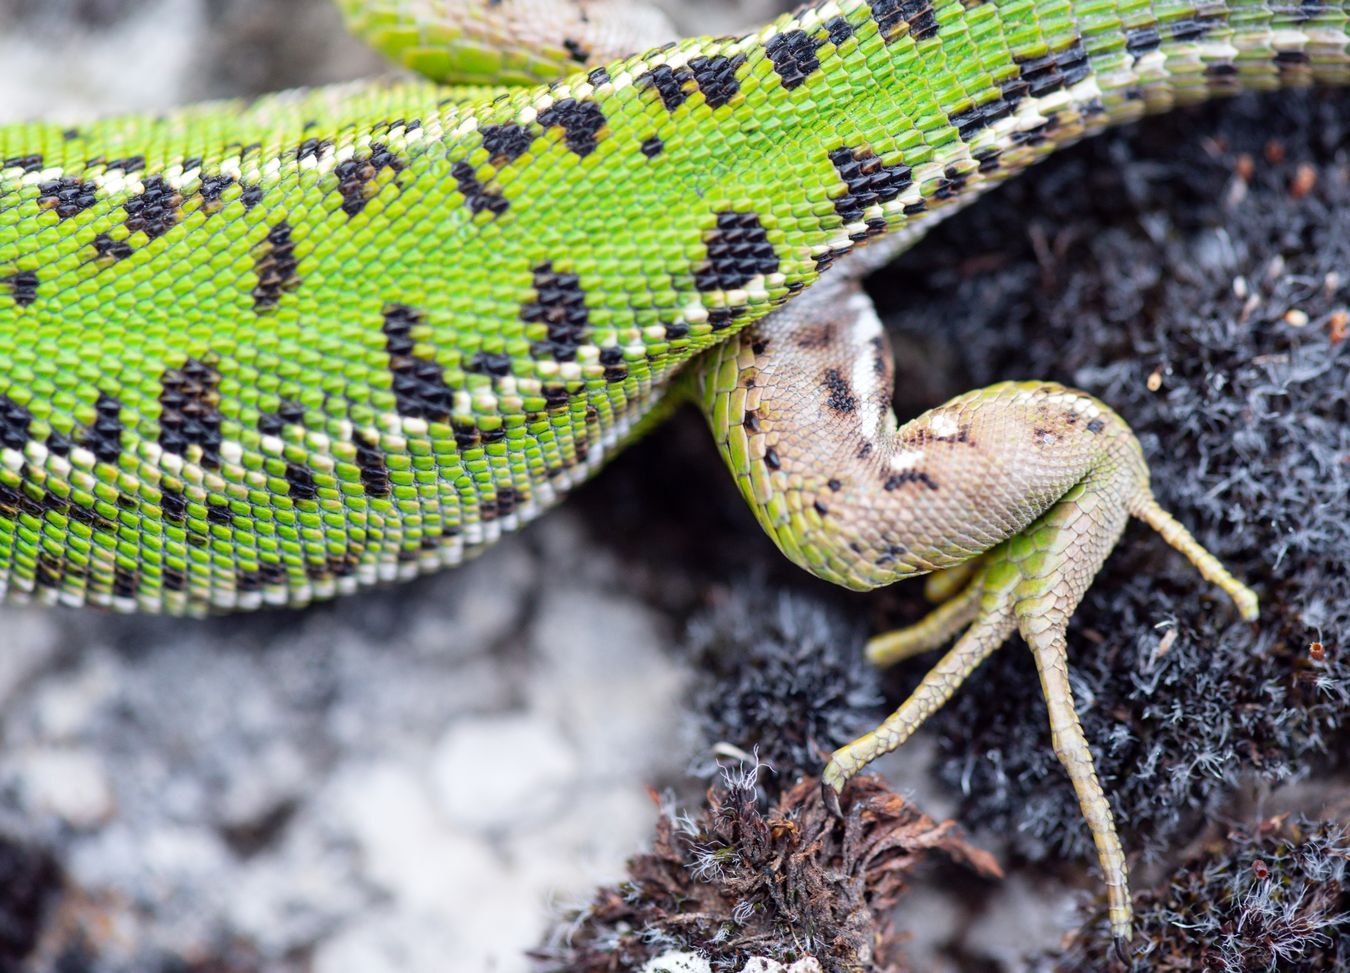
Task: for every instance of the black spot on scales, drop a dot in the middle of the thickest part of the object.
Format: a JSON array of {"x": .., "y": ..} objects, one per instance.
[
  {"x": 467, "y": 435},
  {"x": 334, "y": 566},
  {"x": 104, "y": 437},
  {"x": 722, "y": 317},
  {"x": 173, "y": 579},
  {"x": 839, "y": 30},
  {"x": 1191, "y": 28},
  {"x": 28, "y": 163},
  {"x": 356, "y": 176},
  {"x": 189, "y": 402},
  {"x": 15, "y": 421},
  {"x": 476, "y": 195},
  {"x": 50, "y": 571},
  {"x": 672, "y": 84},
  {"x": 493, "y": 363},
  {"x": 652, "y": 147},
  {"x": 897, "y": 480},
  {"x": 59, "y": 444},
  {"x": 1141, "y": 40},
  {"x": 370, "y": 460},
  {"x": 716, "y": 77},
  {"x": 793, "y": 54},
  {"x": 108, "y": 249},
  {"x": 824, "y": 261},
  {"x": 504, "y": 503},
  {"x": 174, "y": 505},
  {"x": 987, "y": 158},
  {"x": 251, "y": 196},
  {"x": 1039, "y": 76},
  {"x": 312, "y": 149},
  {"x": 23, "y": 287},
  {"x": 134, "y": 163},
  {"x": 1096, "y": 425},
  {"x": 950, "y": 184},
  {"x": 917, "y": 15},
  {"x": 126, "y": 581},
  {"x": 841, "y": 398},
  {"x": 67, "y": 197},
  {"x": 971, "y": 120},
  {"x": 275, "y": 423},
  {"x": 212, "y": 189},
  {"x": 560, "y": 304},
  {"x": 155, "y": 210},
  {"x": 576, "y": 49},
  {"x": 739, "y": 250},
  {"x": 219, "y": 513},
  {"x": 869, "y": 181},
  {"x": 300, "y": 479},
  {"x": 275, "y": 266},
  {"x": 612, "y": 358},
  {"x": 581, "y": 121},
  {"x": 892, "y": 553},
  {"x": 506, "y": 143},
  {"x": 418, "y": 385},
  {"x": 771, "y": 459},
  {"x": 598, "y": 77}
]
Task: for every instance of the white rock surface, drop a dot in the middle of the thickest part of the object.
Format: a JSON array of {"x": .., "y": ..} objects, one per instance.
[
  {"x": 476, "y": 773},
  {"x": 678, "y": 962},
  {"x": 373, "y": 783},
  {"x": 67, "y": 783}
]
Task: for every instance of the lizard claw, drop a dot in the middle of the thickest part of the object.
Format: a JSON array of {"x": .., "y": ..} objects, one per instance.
[{"x": 829, "y": 794}]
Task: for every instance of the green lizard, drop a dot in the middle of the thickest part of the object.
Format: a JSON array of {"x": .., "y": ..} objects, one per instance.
[{"x": 260, "y": 354}]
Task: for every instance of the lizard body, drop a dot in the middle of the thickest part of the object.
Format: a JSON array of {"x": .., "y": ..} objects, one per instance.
[{"x": 264, "y": 353}]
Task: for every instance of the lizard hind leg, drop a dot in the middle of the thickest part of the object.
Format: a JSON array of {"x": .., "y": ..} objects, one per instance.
[{"x": 1033, "y": 481}]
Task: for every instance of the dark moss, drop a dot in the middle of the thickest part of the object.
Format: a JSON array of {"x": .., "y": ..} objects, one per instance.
[
  {"x": 1273, "y": 897},
  {"x": 779, "y": 674}
]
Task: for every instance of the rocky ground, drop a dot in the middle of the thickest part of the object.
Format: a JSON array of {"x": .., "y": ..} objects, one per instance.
[{"x": 422, "y": 778}]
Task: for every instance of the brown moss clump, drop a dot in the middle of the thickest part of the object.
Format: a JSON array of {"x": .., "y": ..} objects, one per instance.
[{"x": 785, "y": 882}]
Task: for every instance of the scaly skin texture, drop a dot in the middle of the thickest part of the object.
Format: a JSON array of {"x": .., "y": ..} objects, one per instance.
[
  {"x": 263, "y": 354},
  {"x": 260, "y": 354}
]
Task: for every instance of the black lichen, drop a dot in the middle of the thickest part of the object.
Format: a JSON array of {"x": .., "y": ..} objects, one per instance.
[
  {"x": 30, "y": 883},
  {"x": 780, "y": 674},
  {"x": 1275, "y": 897}
]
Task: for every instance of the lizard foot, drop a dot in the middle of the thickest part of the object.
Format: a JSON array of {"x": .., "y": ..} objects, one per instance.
[{"x": 1032, "y": 583}]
